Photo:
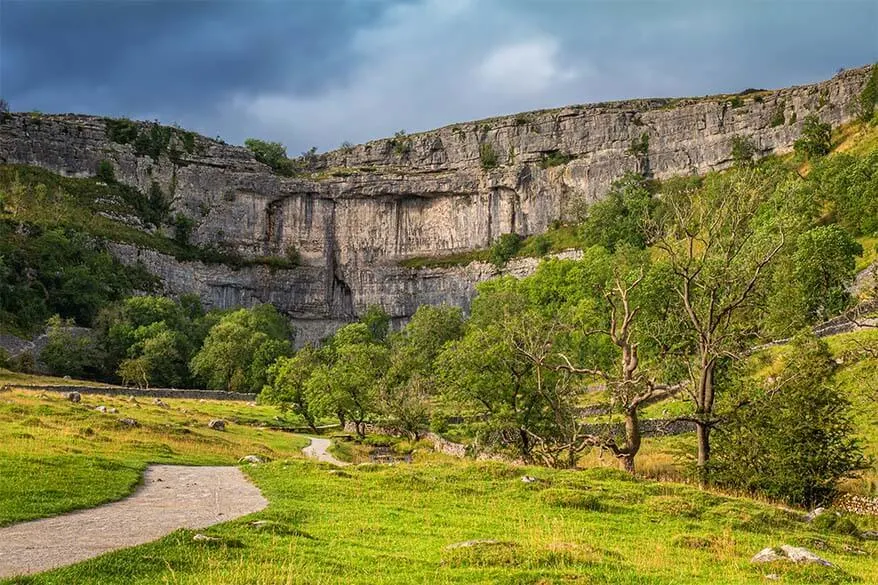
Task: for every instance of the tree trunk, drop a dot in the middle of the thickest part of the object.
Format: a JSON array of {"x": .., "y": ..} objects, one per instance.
[
  {"x": 632, "y": 440},
  {"x": 702, "y": 433}
]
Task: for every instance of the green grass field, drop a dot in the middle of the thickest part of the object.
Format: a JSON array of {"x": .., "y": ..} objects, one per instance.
[
  {"x": 393, "y": 524},
  {"x": 56, "y": 456}
]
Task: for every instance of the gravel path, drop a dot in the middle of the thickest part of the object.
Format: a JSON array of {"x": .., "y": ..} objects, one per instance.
[
  {"x": 171, "y": 497},
  {"x": 318, "y": 450}
]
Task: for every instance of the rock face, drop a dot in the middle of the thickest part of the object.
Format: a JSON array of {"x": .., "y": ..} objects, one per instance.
[{"x": 365, "y": 208}]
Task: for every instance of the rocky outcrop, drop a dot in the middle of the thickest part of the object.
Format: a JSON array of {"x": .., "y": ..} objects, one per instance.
[{"x": 365, "y": 208}]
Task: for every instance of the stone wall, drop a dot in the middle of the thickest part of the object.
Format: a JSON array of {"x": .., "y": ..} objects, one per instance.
[
  {"x": 367, "y": 208},
  {"x": 149, "y": 392}
]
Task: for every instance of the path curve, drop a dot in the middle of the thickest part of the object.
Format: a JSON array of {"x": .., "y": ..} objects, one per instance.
[
  {"x": 318, "y": 449},
  {"x": 171, "y": 497}
]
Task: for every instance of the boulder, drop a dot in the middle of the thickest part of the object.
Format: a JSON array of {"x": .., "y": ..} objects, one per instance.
[
  {"x": 204, "y": 538},
  {"x": 160, "y": 403},
  {"x": 74, "y": 397},
  {"x": 129, "y": 422},
  {"x": 101, "y": 408},
  {"x": 217, "y": 424},
  {"x": 253, "y": 459},
  {"x": 786, "y": 552},
  {"x": 814, "y": 514}
]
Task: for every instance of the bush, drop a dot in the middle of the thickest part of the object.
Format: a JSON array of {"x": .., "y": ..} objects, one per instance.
[
  {"x": 777, "y": 118},
  {"x": 793, "y": 440},
  {"x": 816, "y": 139},
  {"x": 542, "y": 244},
  {"x": 292, "y": 255},
  {"x": 554, "y": 158},
  {"x": 273, "y": 154},
  {"x": 183, "y": 227},
  {"x": 121, "y": 131},
  {"x": 640, "y": 146},
  {"x": 487, "y": 156},
  {"x": 743, "y": 150},
  {"x": 504, "y": 248},
  {"x": 868, "y": 98},
  {"x": 401, "y": 143},
  {"x": 106, "y": 172}
]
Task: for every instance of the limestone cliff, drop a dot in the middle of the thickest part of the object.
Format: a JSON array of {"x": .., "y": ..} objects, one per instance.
[{"x": 365, "y": 208}]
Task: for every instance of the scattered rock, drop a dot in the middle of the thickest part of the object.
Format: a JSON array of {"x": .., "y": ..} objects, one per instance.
[
  {"x": 813, "y": 514},
  {"x": 43, "y": 396},
  {"x": 112, "y": 410},
  {"x": 254, "y": 459},
  {"x": 789, "y": 553},
  {"x": 101, "y": 408},
  {"x": 74, "y": 397},
  {"x": 854, "y": 550},
  {"x": 869, "y": 535},
  {"x": 132, "y": 399},
  {"x": 160, "y": 403},
  {"x": 767, "y": 555},
  {"x": 66, "y": 378},
  {"x": 217, "y": 424},
  {"x": 204, "y": 538},
  {"x": 129, "y": 422},
  {"x": 528, "y": 479},
  {"x": 773, "y": 577}
]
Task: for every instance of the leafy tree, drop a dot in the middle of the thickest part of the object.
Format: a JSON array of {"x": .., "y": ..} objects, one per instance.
[
  {"x": 239, "y": 348},
  {"x": 849, "y": 185},
  {"x": 793, "y": 438},
  {"x": 348, "y": 383},
  {"x": 377, "y": 321},
  {"x": 68, "y": 352},
  {"x": 816, "y": 139},
  {"x": 621, "y": 217},
  {"x": 273, "y": 154},
  {"x": 157, "y": 357},
  {"x": 824, "y": 265},
  {"x": 288, "y": 384},
  {"x": 718, "y": 254}
]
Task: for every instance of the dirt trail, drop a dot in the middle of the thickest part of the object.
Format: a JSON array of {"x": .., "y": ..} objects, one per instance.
[
  {"x": 171, "y": 497},
  {"x": 318, "y": 450}
]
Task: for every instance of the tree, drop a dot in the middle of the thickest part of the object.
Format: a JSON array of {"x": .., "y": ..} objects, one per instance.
[
  {"x": 239, "y": 348},
  {"x": 69, "y": 352},
  {"x": 743, "y": 150},
  {"x": 621, "y": 217},
  {"x": 792, "y": 438},
  {"x": 717, "y": 253},
  {"x": 157, "y": 357},
  {"x": 349, "y": 381},
  {"x": 273, "y": 154},
  {"x": 378, "y": 322},
  {"x": 824, "y": 265},
  {"x": 287, "y": 384},
  {"x": 816, "y": 139}
]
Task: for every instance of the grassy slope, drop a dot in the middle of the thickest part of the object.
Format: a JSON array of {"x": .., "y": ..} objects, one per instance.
[
  {"x": 378, "y": 525},
  {"x": 57, "y": 456}
]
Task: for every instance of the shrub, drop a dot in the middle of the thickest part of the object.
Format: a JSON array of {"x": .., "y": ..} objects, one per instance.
[
  {"x": 273, "y": 154},
  {"x": 292, "y": 255},
  {"x": 793, "y": 440},
  {"x": 868, "y": 98},
  {"x": 121, "y": 131},
  {"x": 736, "y": 102},
  {"x": 542, "y": 244},
  {"x": 815, "y": 140},
  {"x": 639, "y": 146},
  {"x": 487, "y": 156},
  {"x": 554, "y": 158},
  {"x": 106, "y": 172},
  {"x": 504, "y": 248},
  {"x": 401, "y": 143},
  {"x": 183, "y": 227},
  {"x": 777, "y": 118},
  {"x": 743, "y": 150}
]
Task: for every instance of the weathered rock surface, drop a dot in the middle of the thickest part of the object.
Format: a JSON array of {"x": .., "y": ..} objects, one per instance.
[{"x": 368, "y": 207}]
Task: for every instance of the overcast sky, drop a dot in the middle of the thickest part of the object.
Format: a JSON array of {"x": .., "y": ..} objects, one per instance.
[{"x": 326, "y": 71}]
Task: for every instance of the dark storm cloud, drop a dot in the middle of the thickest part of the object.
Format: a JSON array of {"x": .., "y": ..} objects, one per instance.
[{"x": 322, "y": 71}]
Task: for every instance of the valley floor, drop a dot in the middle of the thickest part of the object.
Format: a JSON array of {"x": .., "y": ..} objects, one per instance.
[{"x": 380, "y": 524}]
